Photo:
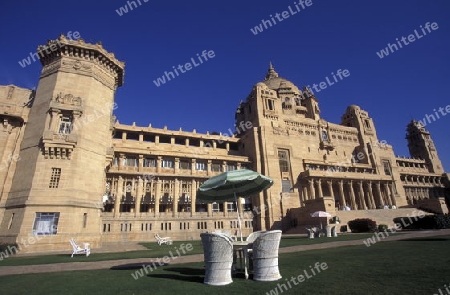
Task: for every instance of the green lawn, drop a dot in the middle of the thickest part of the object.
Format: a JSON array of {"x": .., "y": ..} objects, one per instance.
[
  {"x": 415, "y": 266},
  {"x": 156, "y": 251}
]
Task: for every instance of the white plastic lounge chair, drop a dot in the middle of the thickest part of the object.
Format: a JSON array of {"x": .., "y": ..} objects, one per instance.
[
  {"x": 165, "y": 240},
  {"x": 78, "y": 250},
  {"x": 334, "y": 231},
  {"x": 265, "y": 256},
  {"x": 310, "y": 233},
  {"x": 329, "y": 227},
  {"x": 218, "y": 256}
]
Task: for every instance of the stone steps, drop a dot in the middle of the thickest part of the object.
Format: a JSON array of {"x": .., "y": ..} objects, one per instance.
[{"x": 381, "y": 216}]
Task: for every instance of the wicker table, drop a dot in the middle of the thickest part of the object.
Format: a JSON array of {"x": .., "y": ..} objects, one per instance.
[{"x": 241, "y": 248}]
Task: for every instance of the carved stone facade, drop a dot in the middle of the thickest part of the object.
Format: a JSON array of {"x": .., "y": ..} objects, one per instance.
[
  {"x": 319, "y": 165},
  {"x": 70, "y": 170}
]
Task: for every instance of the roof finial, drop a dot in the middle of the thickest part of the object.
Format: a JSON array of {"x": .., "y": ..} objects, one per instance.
[{"x": 271, "y": 73}]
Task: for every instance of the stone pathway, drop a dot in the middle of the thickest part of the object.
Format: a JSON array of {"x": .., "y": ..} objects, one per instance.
[{"x": 71, "y": 266}]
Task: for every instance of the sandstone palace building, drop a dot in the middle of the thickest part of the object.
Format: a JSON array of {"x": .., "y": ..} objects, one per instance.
[{"x": 70, "y": 169}]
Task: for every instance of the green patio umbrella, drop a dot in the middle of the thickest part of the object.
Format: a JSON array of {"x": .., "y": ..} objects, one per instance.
[{"x": 228, "y": 185}]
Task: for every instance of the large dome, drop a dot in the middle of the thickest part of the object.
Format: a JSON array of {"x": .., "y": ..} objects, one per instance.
[{"x": 275, "y": 82}]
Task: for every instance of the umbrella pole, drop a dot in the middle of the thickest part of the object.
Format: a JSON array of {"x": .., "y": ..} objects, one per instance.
[{"x": 238, "y": 214}]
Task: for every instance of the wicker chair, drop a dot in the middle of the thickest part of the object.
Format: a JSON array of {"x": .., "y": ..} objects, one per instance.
[
  {"x": 218, "y": 255},
  {"x": 227, "y": 233},
  {"x": 253, "y": 236},
  {"x": 265, "y": 256}
]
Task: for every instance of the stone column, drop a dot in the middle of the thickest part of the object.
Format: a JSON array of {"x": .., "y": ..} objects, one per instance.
[
  {"x": 341, "y": 192},
  {"x": 193, "y": 161},
  {"x": 152, "y": 185},
  {"x": 76, "y": 116},
  {"x": 157, "y": 197},
  {"x": 380, "y": 196},
  {"x": 118, "y": 196},
  {"x": 305, "y": 193},
  {"x": 121, "y": 158},
  {"x": 176, "y": 195},
  {"x": 428, "y": 193},
  {"x": 225, "y": 209},
  {"x": 386, "y": 193},
  {"x": 158, "y": 164},
  {"x": 141, "y": 163},
  {"x": 139, "y": 193},
  {"x": 370, "y": 198},
  {"x": 330, "y": 188},
  {"x": 209, "y": 206},
  {"x": 193, "y": 196},
  {"x": 208, "y": 168},
  {"x": 300, "y": 192},
  {"x": 391, "y": 189},
  {"x": 361, "y": 196},
  {"x": 55, "y": 120},
  {"x": 177, "y": 165},
  {"x": 133, "y": 193},
  {"x": 312, "y": 193},
  {"x": 352, "y": 196},
  {"x": 319, "y": 188}
]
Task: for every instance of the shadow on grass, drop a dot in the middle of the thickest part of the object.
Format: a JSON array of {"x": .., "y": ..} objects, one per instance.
[
  {"x": 431, "y": 239},
  {"x": 129, "y": 266},
  {"x": 193, "y": 279},
  {"x": 187, "y": 270}
]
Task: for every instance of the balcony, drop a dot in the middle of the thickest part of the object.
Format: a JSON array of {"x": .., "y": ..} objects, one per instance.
[{"x": 57, "y": 145}]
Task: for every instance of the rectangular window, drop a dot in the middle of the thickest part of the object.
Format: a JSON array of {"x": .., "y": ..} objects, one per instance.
[
  {"x": 65, "y": 125},
  {"x": 215, "y": 207},
  {"x": 231, "y": 167},
  {"x": 283, "y": 158},
  {"x": 11, "y": 221},
  {"x": 285, "y": 185},
  {"x": 200, "y": 166},
  {"x": 216, "y": 167},
  {"x": 231, "y": 207},
  {"x": 46, "y": 223},
  {"x": 167, "y": 163},
  {"x": 185, "y": 165},
  {"x": 149, "y": 162},
  {"x": 54, "y": 179},
  {"x": 84, "y": 220},
  {"x": 387, "y": 167},
  {"x": 132, "y": 162},
  {"x": 270, "y": 105}
]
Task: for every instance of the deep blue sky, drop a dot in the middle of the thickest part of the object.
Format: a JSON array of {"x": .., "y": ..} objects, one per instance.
[{"x": 305, "y": 48}]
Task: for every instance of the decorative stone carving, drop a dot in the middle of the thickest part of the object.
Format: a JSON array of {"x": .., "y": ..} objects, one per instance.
[
  {"x": 51, "y": 68},
  {"x": 68, "y": 99},
  {"x": 76, "y": 64},
  {"x": 280, "y": 131}
]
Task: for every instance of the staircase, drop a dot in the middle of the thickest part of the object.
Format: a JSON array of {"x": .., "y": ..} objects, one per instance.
[{"x": 381, "y": 216}]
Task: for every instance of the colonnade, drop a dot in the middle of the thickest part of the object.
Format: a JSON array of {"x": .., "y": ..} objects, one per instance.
[{"x": 356, "y": 194}]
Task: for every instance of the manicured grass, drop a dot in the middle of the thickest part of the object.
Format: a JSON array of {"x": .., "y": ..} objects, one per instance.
[
  {"x": 295, "y": 241},
  {"x": 155, "y": 251},
  {"x": 415, "y": 266}
]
